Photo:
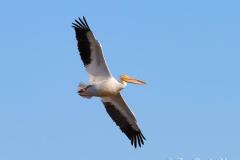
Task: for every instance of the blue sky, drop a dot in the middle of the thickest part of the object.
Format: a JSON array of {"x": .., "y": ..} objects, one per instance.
[{"x": 187, "y": 51}]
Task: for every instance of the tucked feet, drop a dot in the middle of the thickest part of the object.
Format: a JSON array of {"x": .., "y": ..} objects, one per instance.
[{"x": 83, "y": 91}]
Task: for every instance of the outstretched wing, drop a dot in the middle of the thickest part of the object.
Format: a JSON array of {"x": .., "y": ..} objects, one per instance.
[
  {"x": 91, "y": 52},
  {"x": 124, "y": 118}
]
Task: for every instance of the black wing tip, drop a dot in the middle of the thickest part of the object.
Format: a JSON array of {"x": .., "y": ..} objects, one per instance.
[
  {"x": 81, "y": 24},
  {"x": 138, "y": 140}
]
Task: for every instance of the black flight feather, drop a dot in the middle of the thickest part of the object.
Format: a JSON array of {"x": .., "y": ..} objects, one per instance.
[
  {"x": 134, "y": 135},
  {"x": 81, "y": 30}
]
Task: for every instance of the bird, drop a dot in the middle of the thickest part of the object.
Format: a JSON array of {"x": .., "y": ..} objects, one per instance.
[{"x": 102, "y": 84}]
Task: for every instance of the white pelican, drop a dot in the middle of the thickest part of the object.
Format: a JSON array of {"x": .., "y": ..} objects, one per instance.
[{"x": 104, "y": 85}]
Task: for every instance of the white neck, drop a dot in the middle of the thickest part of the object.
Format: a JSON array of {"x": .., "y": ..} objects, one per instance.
[{"x": 123, "y": 83}]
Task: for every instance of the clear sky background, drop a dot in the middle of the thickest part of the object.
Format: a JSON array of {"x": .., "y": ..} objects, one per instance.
[{"x": 187, "y": 51}]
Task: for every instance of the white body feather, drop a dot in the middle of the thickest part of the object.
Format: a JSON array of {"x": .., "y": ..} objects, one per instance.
[{"x": 105, "y": 88}]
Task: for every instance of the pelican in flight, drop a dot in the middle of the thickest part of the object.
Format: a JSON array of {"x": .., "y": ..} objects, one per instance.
[{"x": 104, "y": 85}]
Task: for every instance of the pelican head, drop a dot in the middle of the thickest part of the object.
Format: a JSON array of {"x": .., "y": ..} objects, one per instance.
[{"x": 127, "y": 79}]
